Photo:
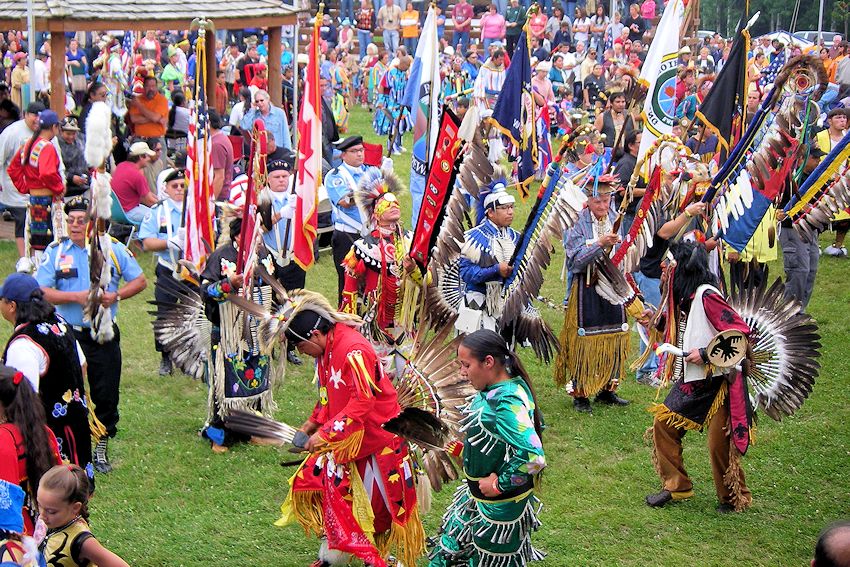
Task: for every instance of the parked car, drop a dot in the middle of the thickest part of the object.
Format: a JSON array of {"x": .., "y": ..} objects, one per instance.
[{"x": 812, "y": 35}]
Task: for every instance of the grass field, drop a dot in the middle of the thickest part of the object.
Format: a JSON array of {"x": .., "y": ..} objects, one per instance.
[{"x": 171, "y": 501}]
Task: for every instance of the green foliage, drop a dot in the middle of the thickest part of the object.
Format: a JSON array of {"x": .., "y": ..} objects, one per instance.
[{"x": 172, "y": 501}]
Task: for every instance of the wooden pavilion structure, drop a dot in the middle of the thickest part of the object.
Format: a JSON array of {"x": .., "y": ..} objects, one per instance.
[{"x": 61, "y": 16}]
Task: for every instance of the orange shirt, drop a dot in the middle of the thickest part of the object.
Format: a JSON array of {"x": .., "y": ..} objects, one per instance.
[{"x": 157, "y": 104}]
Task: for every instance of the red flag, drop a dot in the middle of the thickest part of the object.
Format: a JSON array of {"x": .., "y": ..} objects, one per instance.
[{"x": 309, "y": 172}]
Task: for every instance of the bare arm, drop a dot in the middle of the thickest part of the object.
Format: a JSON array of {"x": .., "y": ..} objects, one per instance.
[
  {"x": 218, "y": 182},
  {"x": 149, "y": 199},
  {"x": 154, "y": 244},
  {"x": 57, "y": 297},
  {"x": 95, "y": 553},
  {"x": 671, "y": 228}
]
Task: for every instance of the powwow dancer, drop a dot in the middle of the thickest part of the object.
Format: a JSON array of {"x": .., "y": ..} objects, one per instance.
[
  {"x": 381, "y": 282},
  {"x": 357, "y": 488},
  {"x": 35, "y": 171},
  {"x": 595, "y": 336},
  {"x": 485, "y": 254},
  {"x": 770, "y": 329},
  {"x": 703, "y": 396},
  {"x": 494, "y": 511}
]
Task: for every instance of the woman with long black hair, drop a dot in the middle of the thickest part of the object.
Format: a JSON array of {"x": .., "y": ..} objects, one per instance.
[
  {"x": 494, "y": 512},
  {"x": 28, "y": 449},
  {"x": 43, "y": 348}
]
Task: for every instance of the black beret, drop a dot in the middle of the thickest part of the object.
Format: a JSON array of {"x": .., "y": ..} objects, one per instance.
[
  {"x": 178, "y": 173},
  {"x": 78, "y": 203},
  {"x": 348, "y": 143}
]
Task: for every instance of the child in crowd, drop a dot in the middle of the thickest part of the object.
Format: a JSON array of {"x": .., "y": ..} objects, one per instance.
[{"x": 63, "y": 495}]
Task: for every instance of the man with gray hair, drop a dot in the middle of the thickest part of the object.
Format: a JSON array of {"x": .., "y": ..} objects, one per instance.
[{"x": 273, "y": 117}]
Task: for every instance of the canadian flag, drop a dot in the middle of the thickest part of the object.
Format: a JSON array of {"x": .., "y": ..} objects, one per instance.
[{"x": 308, "y": 175}]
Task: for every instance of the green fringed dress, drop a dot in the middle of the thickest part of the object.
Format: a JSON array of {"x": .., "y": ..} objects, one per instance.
[{"x": 500, "y": 437}]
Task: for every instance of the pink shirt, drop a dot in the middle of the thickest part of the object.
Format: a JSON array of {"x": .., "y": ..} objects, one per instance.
[
  {"x": 129, "y": 185},
  {"x": 462, "y": 16},
  {"x": 537, "y": 25},
  {"x": 493, "y": 26}
]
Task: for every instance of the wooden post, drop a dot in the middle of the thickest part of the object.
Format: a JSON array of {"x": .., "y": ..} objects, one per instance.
[
  {"x": 57, "y": 73},
  {"x": 212, "y": 68},
  {"x": 275, "y": 76}
]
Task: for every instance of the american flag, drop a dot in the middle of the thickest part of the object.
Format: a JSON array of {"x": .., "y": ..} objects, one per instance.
[
  {"x": 768, "y": 76},
  {"x": 127, "y": 54},
  {"x": 199, "y": 211},
  {"x": 544, "y": 146}
]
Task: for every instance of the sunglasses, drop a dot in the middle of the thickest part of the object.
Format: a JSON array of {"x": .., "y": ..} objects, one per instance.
[{"x": 77, "y": 220}]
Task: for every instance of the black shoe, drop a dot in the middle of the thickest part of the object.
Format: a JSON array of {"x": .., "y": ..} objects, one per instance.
[
  {"x": 610, "y": 398},
  {"x": 725, "y": 508},
  {"x": 165, "y": 366},
  {"x": 582, "y": 405},
  {"x": 659, "y": 499},
  {"x": 293, "y": 358},
  {"x": 101, "y": 458}
]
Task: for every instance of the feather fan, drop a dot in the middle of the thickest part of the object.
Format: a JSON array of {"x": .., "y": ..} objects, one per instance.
[
  {"x": 182, "y": 328},
  {"x": 785, "y": 343}
]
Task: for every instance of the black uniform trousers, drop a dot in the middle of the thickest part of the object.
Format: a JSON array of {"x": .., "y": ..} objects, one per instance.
[
  {"x": 104, "y": 373},
  {"x": 341, "y": 243}
]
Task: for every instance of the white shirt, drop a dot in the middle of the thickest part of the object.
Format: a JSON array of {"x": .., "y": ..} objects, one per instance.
[
  {"x": 39, "y": 78},
  {"x": 28, "y": 358},
  {"x": 236, "y": 114}
]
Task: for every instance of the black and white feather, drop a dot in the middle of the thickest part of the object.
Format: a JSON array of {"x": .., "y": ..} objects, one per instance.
[
  {"x": 786, "y": 346},
  {"x": 182, "y": 328}
]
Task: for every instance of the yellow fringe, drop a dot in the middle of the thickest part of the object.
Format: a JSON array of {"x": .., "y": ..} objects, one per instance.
[
  {"x": 407, "y": 542},
  {"x": 655, "y": 336},
  {"x": 589, "y": 360},
  {"x": 665, "y": 414},
  {"x": 362, "y": 375},
  {"x": 98, "y": 430},
  {"x": 346, "y": 450},
  {"x": 718, "y": 401},
  {"x": 304, "y": 507},
  {"x": 733, "y": 480}
]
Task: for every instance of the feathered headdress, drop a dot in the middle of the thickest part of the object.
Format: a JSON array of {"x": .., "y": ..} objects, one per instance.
[
  {"x": 578, "y": 140},
  {"x": 373, "y": 191},
  {"x": 291, "y": 303}
]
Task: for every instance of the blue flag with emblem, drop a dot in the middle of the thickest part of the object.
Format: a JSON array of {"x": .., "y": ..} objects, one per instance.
[{"x": 515, "y": 116}]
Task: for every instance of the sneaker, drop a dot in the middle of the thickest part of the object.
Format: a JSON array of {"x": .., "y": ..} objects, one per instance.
[
  {"x": 834, "y": 251},
  {"x": 23, "y": 266},
  {"x": 165, "y": 366},
  {"x": 610, "y": 398},
  {"x": 582, "y": 405},
  {"x": 101, "y": 457},
  {"x": 7, "y": 216},
  {"x": 843, "y": 251},
  {"x": 648, "y": 379}
]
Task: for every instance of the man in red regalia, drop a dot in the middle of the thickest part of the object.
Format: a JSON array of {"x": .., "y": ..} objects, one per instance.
[{"x": 354, "y": 465}]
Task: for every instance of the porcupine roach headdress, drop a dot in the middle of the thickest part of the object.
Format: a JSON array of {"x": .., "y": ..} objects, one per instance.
[
  {"x": 375, "y": 192},
  {"x": 291, "y": 303},
  {"x": 577, "y": 141}
]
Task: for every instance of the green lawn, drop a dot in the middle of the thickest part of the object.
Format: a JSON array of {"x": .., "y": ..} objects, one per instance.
[{"x": 171, "y": 501}]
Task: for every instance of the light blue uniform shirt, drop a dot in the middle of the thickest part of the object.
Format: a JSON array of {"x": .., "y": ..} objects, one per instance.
[
  {"x": 275, "y": 122},
  {"x": 163, "y": 222},
  {"x": 339, "y": 183},
  {"x": 66, "y": 268},
  {"x": 276, "y": 240}
]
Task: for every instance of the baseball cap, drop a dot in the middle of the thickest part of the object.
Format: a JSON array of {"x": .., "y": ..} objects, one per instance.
[
  {"x": 18, "y": 287},
  {"x": 35, "y": 108},
  {"x": 141, "y": 149}
]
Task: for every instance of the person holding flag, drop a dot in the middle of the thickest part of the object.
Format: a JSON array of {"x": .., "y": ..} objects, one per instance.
[
  {"x": 658, "y": 75},
  {"x": 422, "y": 98},
  {"x": 515, "y": 115}
]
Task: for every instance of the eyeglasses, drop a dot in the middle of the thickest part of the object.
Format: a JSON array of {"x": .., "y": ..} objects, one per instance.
[{"x": 77, "y": 220}]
